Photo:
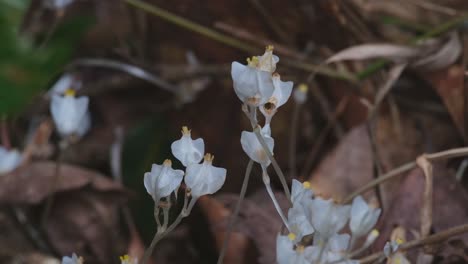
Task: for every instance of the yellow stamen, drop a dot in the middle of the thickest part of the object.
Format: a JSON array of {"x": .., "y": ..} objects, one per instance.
[
  {"x": 209, "y": 158},
  {"x": 70, "y": 93},
  {"x": 253, "y": 61},
  {"x": 303, "y": 87},
  {"x": 185, "y": 130},
  {"x": 306, "y": 185},
  {"x": 292, "y": 236},
  {"x": 399, "y": 241},
  {"x": 269, "y": 48},
  {"x": 375, "y": 233},
  {"x": 125, "y": 258},
  {"x": 167, "y": 163}
]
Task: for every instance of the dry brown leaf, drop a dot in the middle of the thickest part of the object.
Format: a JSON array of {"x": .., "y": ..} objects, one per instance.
[
  {"x": 449, "y": 84},
  {"x": 32, "y": 183},
  {"x": 393, "y": 52}
]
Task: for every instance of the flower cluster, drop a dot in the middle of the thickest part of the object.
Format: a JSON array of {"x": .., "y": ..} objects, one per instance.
[
  {"x": 314, "y": 225},
  {"x": 201, "y": 178}
]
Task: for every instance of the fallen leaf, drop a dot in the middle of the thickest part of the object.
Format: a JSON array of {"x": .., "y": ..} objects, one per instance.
[
  {"x": 393, "y": 52},
  {"x": 441, "y": 57}
]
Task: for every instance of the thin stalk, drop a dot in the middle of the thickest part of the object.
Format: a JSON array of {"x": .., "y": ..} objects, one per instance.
[
  {"x": 447, "y": 154},
  {"x": 161, "y": 234},
  {"x": 266, "y": 181},
  {"x": 277, "y": 168},
  {"x": 432, "y": 239},
  {"x": 156, "y": 215},
  {"x": 293, "y": 141},
  {"x": 166, "y": 217},
  {"x": 55, "y": 183},
  {"x": 233, "y": 218}
]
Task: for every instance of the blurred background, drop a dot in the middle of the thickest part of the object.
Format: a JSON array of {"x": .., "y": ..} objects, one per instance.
[{"x": 151, "y": 67}]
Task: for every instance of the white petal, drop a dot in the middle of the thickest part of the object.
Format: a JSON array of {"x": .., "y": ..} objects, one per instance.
[
  {"x": 204, "y": 179},
  {"x": 282, "y": 91},
  {"x": 188, "y": 151},
  {"x": 284, "y": 250},
  {"x": 363, "y": 218},
  {"x": 254, "y": 149},
  {"x": 339, "y": 242},
  {"x": 9, "y": 160}
]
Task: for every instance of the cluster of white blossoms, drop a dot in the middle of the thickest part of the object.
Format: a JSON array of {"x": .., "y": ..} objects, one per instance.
[
  {"x": 201, "y": 178},
  {"x": 70, "y": 113},
  {"x": 314, "y": 225}
]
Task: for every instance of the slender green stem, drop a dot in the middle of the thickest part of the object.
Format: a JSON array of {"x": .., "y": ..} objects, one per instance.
[
  {"x": 233, "y": 42},
  {"x": 266, "y": 181},
  {"x": 233, "y": 217}
]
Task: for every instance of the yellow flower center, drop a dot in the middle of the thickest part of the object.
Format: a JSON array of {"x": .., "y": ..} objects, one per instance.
[
  {"x": 292, "y": 236},
  {"x": 303, "y": 87},
  {"x": 306, "y": 185},
  {"x": 185, "y": 130},
  {"x": 70, "y": 93}
]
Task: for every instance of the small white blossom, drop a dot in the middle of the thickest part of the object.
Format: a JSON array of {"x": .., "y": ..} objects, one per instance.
[
  {"x": 9, "y": 160},
  {"x": 204, "y": 178},
  {"x": 126, "y": 259},
  {"x": 252, "y": 82},
  {"x": 282, "y": 92},
  {"x": 300, "y": 192},
  {"x": 298, "y": 222},
  {"x": 326, "y": 217},
  {"x": 70, "y": 114},
  {"x": 74, "y": 259},
  {"x": 254, "y": 149},
  {"x": 363, "y": 218},
  {"x": 289, "y": 253},
  {"x": 65, "y": 82},
  {"x": 187, "y": 150},
  {"x": 57, "y": 4},
  {"x": 300, "y": 93},
  {"x": 162, "y": 180}
]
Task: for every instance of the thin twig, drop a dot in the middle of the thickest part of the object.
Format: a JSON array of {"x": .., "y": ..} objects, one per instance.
[
  {"x": 233, "y": 217},
  {"x": 293, "y": 141},
  {"x": 432, "y": 239},
  {"x": 447, "y": 154}
]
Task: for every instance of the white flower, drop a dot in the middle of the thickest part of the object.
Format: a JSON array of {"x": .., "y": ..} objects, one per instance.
[
  {"x": 57, "y": 4},
  {"x": 300, "y": 93},
  {"x": 187, "y": 150},
  {"x": 162, "y": 180},
  {"x": 326, "y": 217},
  {"x": 254, "y": 149},
  {"x": 204, "y": 178},
  {"x": 253, "y": 83},
  {"x": 300, "y": 192},
  {"x": 282, "y": 92},
  {"x": 74, "y": 259},
  {"x": 65, "y": 82},
  {"x": 298, "y": 222},
  {"x": 363, "y": 218},
  {"x": 70, "y": 114},
  {"x": 126, "y": 259},
  {"x": 9, "y": 160},
  {"x": 288, "y": 253}
]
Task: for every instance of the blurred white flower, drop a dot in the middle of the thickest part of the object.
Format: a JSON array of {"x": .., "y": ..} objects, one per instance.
[
  {"x": 57, "y": 4},
  {"x": 70, "y": 114},
  {"x": 126, "y": 259},
  {"x": 9, "y": 160},
  {"x": 326, "y": 217},
  {"x": 65, "y": 82},
  {"x": 253, "y": 83},
  {"x": 289, "y": 253},
  {"x": 204, "y": 178},
  {"x": 391, "y": 247},
  {"x": 363, "y": 218},
  {"x": 254, "y": 149},
  {"x": 187, "y": 150},
  {"x": 300, "y": 93},
  {"x": 162, "y": 180},
  {"x": 74, "y": 259}
]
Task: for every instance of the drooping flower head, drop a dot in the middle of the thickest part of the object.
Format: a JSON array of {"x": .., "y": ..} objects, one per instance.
[
  {"x": 187, "y": 150},
  {"x": 300, "y": 93},
  {"x": 252, "y": 82},
  {"x": 70, "y": 114},
  {"x": 282, "y": 92},
  {"x": 204, "y": 178},
  {"x": 162, "y": 180},
  {"x": 9, "y": 160},
  {"x": 254, "y": 149},
  {"x": 287, "y": 252}
]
